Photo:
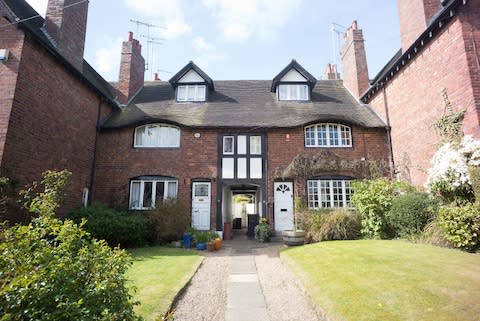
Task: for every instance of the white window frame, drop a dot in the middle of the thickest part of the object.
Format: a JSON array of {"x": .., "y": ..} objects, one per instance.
[
  {"x": 200, "y": 92},
  {"x": 172, "y": 130},
  {"x": 293, "y": 92},
  {"x": 154, "y": 182},
  {"x": 226, "y": 152},
  {"x": 328, "y": 135},
  {"x": 320, "y": 191}
]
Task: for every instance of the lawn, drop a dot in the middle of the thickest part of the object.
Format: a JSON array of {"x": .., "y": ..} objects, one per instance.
[
  {"x": 159, "y": 273},
  {"x": 389, "y": 280}
]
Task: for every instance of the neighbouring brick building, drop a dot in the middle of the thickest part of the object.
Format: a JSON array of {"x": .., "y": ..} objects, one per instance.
[
  {"x": 440, "y": 50},
  {"x": 210, "y": 143}
]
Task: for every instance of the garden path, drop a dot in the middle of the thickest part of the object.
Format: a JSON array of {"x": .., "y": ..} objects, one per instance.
[{"x": 246, "y": 281}]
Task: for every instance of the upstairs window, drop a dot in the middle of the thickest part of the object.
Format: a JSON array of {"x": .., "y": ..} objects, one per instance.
[
  {"x": 293, "y": 92},
  {"x": 328, "y": 135},
  {"x": 150, "y": 192},
  {"x": 191, "y": 92},
  {"x": 157, "y": 135}
]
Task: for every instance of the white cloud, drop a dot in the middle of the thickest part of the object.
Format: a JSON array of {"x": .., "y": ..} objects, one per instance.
[
  {"x": 207, "y": 53},
  {"x": 169, "y": 14},
  {"x": 39, "y": 5},
  {"x": 107, "y": 59},
  {"x": 239, "y": 20}
]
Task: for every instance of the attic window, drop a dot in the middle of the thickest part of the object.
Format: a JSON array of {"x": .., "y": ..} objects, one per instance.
[
  {"x": 293, "y": 92},
  {"x": 191, "y": 92}
]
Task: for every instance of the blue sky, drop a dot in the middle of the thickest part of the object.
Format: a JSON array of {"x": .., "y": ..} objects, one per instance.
[{"x": 236, "y": 39}]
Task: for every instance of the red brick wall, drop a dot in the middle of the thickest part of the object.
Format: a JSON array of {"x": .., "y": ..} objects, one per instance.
[
  {"x": 13, "y": 39},
  {"x": 52, "y": 123},
  {"x": 414, "y": 96},
  {"x": 132, "y": 69},
  {"x": 370, "y": 144},
  {"x": 119, "y": 162}
]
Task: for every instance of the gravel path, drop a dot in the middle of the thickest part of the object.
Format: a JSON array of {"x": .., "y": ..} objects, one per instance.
[{"x": 205, "y": 297}]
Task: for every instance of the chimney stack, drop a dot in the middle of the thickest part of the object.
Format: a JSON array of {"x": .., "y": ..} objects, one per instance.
[
  {"x": 66, "y": 23},
  {"x": 331, "y": 72},
  {"x": 132, "y": 69},
  {"x": 414, "y": 17},
  {"x": 155, "y": 77},
  {"x": 354, "y": 59}
]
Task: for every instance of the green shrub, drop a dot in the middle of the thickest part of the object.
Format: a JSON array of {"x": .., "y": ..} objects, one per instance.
[
  {"x": 372, "y": 199},
  {"x": 54, "y": 270},
  {"x": 311, "y": 222},
  {"x": 340, "y": 224},
  {"x": 461, "y": 225},
  {"x": 124, "y": 228},
  {"x": 263, "y": 231},
  {"x": 168, "y": 221},
  {"x": 409, "y": 213}
]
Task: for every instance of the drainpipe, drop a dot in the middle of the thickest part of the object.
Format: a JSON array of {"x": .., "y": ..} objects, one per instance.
[
  {"x": 391, "y": 159},
  {"x": 94, "y": 160}
]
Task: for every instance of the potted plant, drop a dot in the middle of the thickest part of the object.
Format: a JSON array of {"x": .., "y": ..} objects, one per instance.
[
  {"x": 297, "y": 235},
  {"x": 263, "y": 231},
  {"x": 201, "y": 238}
]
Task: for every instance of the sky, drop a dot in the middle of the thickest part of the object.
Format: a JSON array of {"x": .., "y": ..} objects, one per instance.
[{"x": 236, "y": 39}]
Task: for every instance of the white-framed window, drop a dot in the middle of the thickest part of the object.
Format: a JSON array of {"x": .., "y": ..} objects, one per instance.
[
  {"x": 157, "y": 135},
  {"x": 293, "y": 92},
  {"x": 191, "y": 92},
  {"x": 255, "y": 145},
  {"x": 228, "y": 145},
  {"x": 147, "y": 193},
  {"x": 328, "y": 135},
  {"x": 329, "y": 193}
]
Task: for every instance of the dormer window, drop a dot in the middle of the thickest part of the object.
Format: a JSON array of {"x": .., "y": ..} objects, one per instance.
[
  {"x": 191, "y": 92},
  {"x": 191, "y": 84},
  {"x": 293, "y": 92},
  {"x": 293, "y": 83}
]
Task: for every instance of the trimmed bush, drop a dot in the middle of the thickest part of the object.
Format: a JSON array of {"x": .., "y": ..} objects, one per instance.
[
  {"x": 263, "y": 231},
  {"x": 124, "y": 228},
  {"x": 54, "y": 270},
  {"x": 372, "y": 199},
  {"x": 168, "y": 221},
  {"x": 461, "y": 225},
  {"x": 340, "y": 224},
  {"x": 409, "y": 213}
]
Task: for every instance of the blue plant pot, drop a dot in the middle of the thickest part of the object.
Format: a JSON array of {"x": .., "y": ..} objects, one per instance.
[
  {"x": 201, "y": 246},
  {"x": 187, "y": 240}
]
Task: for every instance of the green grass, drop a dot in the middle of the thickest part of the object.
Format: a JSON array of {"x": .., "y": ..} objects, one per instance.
[
  {"x": 158, "y": 273},
  {"x": 389, "y": 280}
]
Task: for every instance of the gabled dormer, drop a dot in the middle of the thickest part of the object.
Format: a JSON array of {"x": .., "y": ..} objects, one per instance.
[
  {"x": 191, "y": 84},
  {"x": 293, "y": 83}
]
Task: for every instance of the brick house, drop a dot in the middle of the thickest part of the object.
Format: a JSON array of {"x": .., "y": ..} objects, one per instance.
[
  {"x": 202, "y": 141},
  {"x": 440, "y": 50},
  {"x": 51, "y": 100}
]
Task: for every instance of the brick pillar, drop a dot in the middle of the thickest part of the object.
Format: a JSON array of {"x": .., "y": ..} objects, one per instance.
[
  {"x": 354, "y": 59},
  {"x": 66, "y": 23},
  {"x": 132, "y": 69},
  {"x": 414, "y": 17}
]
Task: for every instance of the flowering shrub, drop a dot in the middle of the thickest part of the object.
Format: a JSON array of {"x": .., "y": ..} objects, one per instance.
[{"x": 449, "y": 175}]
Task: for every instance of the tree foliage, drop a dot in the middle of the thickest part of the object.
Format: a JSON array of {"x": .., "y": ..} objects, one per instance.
[{"x": 53, "y": 270}]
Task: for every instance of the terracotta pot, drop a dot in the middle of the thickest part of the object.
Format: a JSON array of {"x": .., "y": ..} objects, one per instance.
[{"x": 218, "y": 244}]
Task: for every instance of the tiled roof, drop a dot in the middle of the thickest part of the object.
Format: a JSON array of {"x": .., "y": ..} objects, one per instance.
[
  {"x": 31, "y": 22},
  {"x": 245, "y": 104}
]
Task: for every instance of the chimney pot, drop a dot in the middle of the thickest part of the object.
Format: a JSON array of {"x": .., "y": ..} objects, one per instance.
[{"x": 130, "y": 36}]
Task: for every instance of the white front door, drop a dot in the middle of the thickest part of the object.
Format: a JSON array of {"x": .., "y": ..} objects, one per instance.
[
  {"x": 283, "y": 206},
  {"x": 201, "y": 206}
]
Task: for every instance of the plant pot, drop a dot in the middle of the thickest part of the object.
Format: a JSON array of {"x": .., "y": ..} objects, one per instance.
[
  {"x": 218, "y": 244},
  {"x": 211, "y": 246},
  {"x": 293, "y": 237},
  {"x": 201, "y": 246}
]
